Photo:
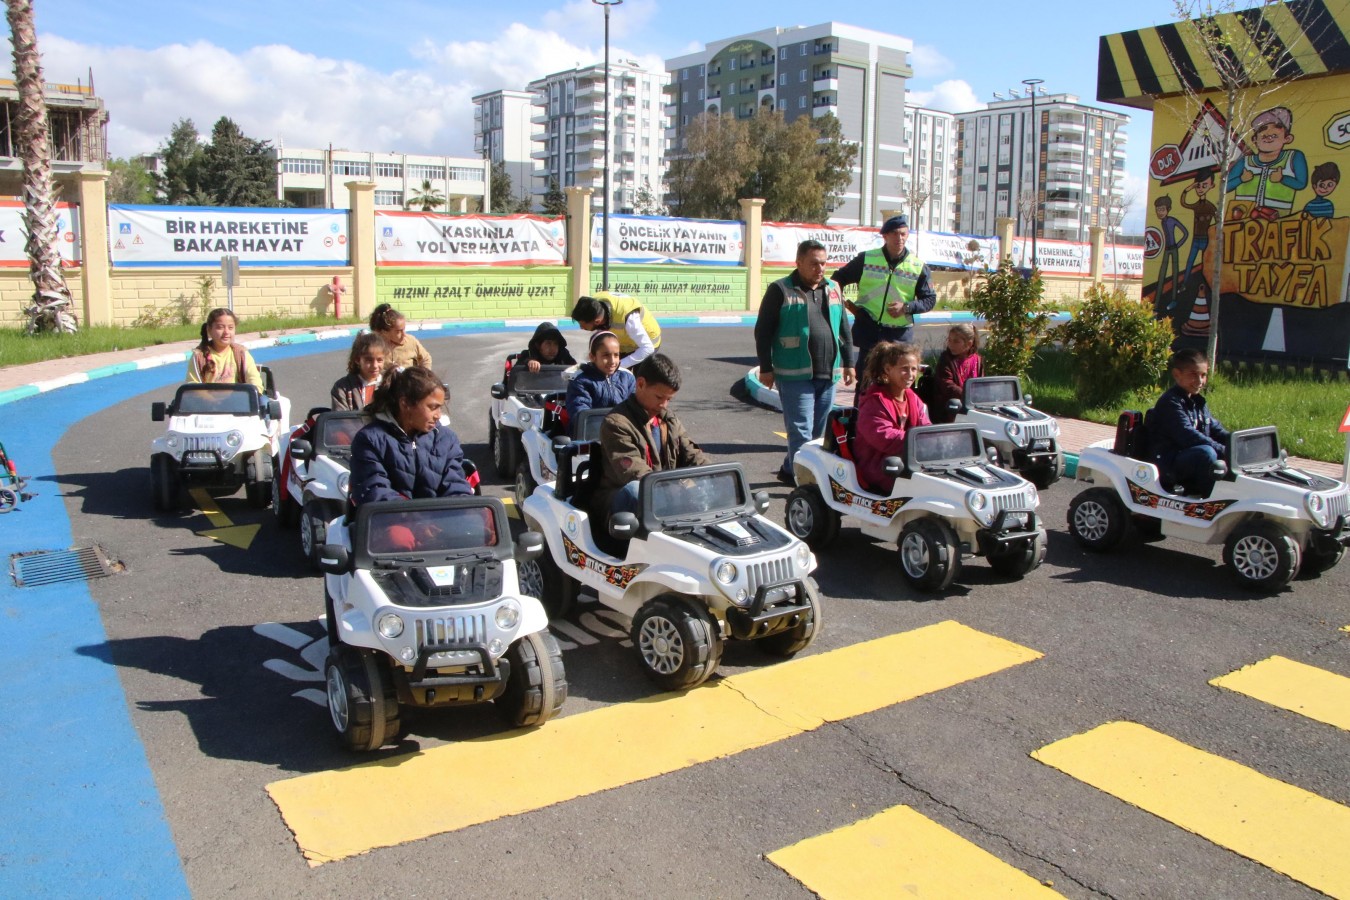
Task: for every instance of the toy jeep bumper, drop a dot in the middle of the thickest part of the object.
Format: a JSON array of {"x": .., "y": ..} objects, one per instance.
[{"x": 775, "y": 609}]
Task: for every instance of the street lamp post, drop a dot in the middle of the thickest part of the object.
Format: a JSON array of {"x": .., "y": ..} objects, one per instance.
[
  {"x": 604, "y": 237},
  {"x": 1032, "y": 84}
]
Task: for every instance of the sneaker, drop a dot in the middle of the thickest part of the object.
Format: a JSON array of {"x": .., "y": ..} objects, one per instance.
[{"x": 785, "y": 478}]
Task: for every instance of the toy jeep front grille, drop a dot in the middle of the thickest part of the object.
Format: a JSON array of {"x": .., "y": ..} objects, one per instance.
[
  {"x": 204, "y": 447},
  {"x": 1022, "y": 499},
  {"x": 774, "y": 571},
  {"x": 1337, "y": 504},
  {"x": 450, "y": 629},
  {"x": 1035, "y": 431}
]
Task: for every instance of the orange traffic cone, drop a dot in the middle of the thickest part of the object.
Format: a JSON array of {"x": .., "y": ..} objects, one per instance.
[{"x": 1198, "y": 324}]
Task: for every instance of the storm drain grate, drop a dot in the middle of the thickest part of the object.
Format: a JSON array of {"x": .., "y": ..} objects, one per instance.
[{"x": 39, "y": 567}]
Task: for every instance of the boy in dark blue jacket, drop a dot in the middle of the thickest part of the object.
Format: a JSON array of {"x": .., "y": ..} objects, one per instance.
[
  {"x": 1184, "y": 439},
  {"x": 548, "y": 347}
]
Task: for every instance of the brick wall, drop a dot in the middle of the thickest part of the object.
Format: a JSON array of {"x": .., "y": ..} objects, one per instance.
[
  {"x": 16, "y": 293},
  {"x": 419, "y": 292},
  {"x": 287, "y": 291}
]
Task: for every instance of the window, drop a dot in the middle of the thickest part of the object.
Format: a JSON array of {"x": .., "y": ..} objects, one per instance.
[
  {"x": 684, "y": 74},
  {"x": 801, "y": 49},
  {"x": 801, "y": 76},
  {"x": 732, "y": 63},
  {"x": 389, "y": 170},
  {"x": 388, "y": 198},
  {"x": 426, "y": 173},
  {"x": 463, "y": 174},
  {"x": 302, "y": 166},
  {"x": 782, "y": 52},
  {"x": 801, "y": 103},
  {"x": 782, "y": 103},
  {"x": 684, "y": 96},
  {"x": 782, "y": 79},
  {"x": 700, "y": 95},
  {"x": 361, "y": 169}
]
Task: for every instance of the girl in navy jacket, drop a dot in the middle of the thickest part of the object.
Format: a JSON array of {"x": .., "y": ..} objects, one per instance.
[
  {"x": 600, "y": 382},
  {"x": 405, "y": 452}
]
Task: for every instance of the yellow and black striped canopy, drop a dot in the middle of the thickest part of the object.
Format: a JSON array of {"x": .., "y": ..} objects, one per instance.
[{"x": 1301, "y": 38}]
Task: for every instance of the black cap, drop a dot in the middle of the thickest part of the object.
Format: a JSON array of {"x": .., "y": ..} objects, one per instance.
[{"x": 893, "y": 223}]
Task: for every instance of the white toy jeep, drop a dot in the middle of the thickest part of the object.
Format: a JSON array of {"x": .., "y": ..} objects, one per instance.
[
  {"x": 219, "y": 436},
  {"x": 317, "y": 477},
  {"x": 698, "y": 565},
  {"x": 424, "y": 609},
  {"x": 520, "y": 403},
  {"x": 1027, "y": 439},
  {"x": 948, "y": 501},
  {"x": 1273, "y": 520},
  {"x": 541, "y": 441}
]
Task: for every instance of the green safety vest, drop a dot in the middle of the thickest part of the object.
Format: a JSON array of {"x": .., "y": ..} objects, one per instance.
[
  {"x": 620, "y": 308},
  {"x": 1261, "y": 190},
  {"x": 791, "y": 350},
  {"x": 880, "y": 284}
]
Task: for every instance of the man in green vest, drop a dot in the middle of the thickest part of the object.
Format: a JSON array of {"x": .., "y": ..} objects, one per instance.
[
  {"x": 804, "y": 345},
  {"x": 893, "y": 285},
  {"x": 633, "y": 324}
]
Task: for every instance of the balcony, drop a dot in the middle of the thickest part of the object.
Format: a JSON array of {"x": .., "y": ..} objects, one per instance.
[
  {"x": 540, "y": 118},
  {"x": 1066, "y": 127},
  {"x": 826, "y": 81},
  {"x": 1064, "y": 167}
]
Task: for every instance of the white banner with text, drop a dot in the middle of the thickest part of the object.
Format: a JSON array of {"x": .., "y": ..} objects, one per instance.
[
  {"x": 14, "y": 234},
  {"x": 196, "y": 236},
  {"x": 436, "y": 239},
  {"x": 651, "y": 239}
]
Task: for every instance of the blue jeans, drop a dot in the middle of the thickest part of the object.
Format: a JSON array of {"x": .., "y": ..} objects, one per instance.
[
  {"x": 1193, "y": 468},
  {"x": 625, "y": 499},
  {"x": 806, "y": 407}
]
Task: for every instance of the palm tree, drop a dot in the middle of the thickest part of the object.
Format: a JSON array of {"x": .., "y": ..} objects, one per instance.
[
  {"x": 426, "y": 197},
  {"x": 52, "y": 304}
]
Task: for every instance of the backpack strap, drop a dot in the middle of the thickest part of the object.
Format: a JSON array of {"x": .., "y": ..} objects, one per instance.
[{"x": 240, "y": 367}]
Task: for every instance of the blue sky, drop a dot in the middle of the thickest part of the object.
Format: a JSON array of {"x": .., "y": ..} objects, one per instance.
[{"x": 398, "y": 75}]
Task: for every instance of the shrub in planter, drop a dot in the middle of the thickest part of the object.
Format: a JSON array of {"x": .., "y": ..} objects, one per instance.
[
  {"x": 1116, "y": 346},
  {"x": 1014, "y": 319}
]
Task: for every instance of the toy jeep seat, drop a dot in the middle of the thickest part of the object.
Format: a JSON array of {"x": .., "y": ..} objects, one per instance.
[
  {"x": 1131, "y": 436},
  {"x": 587, "y": 425},
  {"x": 578, "y": 472},
  {"x": 839, "y": 432}
]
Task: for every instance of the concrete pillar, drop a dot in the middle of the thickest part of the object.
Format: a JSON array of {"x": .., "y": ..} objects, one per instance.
[
  {"x": 1003, "y": 225},
  {"x": 1097, "y": 237},
  {"x": 361, "y": 231},
  {"x": 578, "y": 242},
  {"x": 752, "y": 214},
  {"x": 95, "y": 268}
]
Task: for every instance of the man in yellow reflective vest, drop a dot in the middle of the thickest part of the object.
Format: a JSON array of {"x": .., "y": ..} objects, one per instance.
[
  {"x": 632, "y": 323},
  {"x": 893, "y": 286},
  {"x": 804, "y": 346}
]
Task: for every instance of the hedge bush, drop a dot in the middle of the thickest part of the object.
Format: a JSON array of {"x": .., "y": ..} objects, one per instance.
[{"x": 1116, "y": 345}]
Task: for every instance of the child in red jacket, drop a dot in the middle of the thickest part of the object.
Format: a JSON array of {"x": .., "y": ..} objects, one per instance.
[{"x": 957, "y": 364}]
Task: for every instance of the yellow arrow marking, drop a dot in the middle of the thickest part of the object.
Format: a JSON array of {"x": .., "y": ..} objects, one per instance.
[
  {"x": 781, "y": 434},
  {"x": 225, "y": 531},
  {"x": 511, "y": 509}
]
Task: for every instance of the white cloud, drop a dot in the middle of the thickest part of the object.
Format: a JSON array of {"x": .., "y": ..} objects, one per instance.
[
  {"x": 929, "y": 62},
  {"x": 582, "y": 20},
  {"x": 277, "y": 93},
  {"x": 953, "y": 95},
  {"x": 1136, "y": 194}
]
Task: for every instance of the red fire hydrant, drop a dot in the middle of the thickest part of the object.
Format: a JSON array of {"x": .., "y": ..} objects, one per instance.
[{"x": 336, "y": 289}]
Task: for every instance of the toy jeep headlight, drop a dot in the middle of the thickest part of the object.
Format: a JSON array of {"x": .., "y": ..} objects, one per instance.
[
  {"x": 978, "y": 504},
  {"x": 724, "y": 570},
  {"x": 508, "y": 616},
  {"x": 803, "y": 557},
  {"x": 1317, "y": 508},
  {"x": 344, "y": 478},
  {"x": 172, "y": 440},
  {"x": 390, "y": 626},
  {"x": 234, "y": 439},
  {"x": 1015, "y": 434},
  {"x": 524, "y": 417}
]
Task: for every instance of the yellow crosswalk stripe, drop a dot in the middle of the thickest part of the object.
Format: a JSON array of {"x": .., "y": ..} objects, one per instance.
[
  {"x": 902, "y": 853},
  {"x": 1286, "y": 828},
  {"x": 342, "y": 813},
  {"x": 1295, "y": 686}
]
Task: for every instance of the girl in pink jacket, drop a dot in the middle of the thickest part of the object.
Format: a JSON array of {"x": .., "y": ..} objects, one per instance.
[{"x": 887, "y": 410}]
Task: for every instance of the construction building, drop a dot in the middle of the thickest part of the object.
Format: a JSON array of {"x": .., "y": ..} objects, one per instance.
[{"x": 502, "y": 133}]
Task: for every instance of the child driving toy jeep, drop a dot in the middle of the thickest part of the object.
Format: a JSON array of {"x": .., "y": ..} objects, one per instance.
[{"x": 1185, "y": 440}]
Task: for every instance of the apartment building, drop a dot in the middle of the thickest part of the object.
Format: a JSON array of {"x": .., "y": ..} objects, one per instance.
[
  {"x": 317, "y": 179},
  {"x": 571, "y": 148},
  {"x": 502, "y": 133},
  {"x": 1064, "y": 169},
  {"x": 928, "y": 169},
  {"x": 856, "y": 74},
  {"x": 78, "y": 125}
]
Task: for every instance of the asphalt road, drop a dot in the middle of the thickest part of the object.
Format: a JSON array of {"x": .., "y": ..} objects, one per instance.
[{"x": 220, "y": 703}]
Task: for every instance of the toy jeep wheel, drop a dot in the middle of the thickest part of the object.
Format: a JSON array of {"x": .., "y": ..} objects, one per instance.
[
  {"x": 537, "y": 685},
  {"x": 676, "y": 641},
  {"x": 1262, "y": 555},
  {"x": 503, "y": 446},
  {"x": 164, "y": 481},
  {"x": 258, "y": 486},
  {"x": 286, "y": 509},
  {"x": 362, "y": 701},
  {"x": 1019, "y": 559},
  {"x": 809, "y": 519},
  {"x": 8, "y": 500},
  {"x": 525, "y": 483},
  {"x": 314, "y": 518},
  {"x": 1097, "y": 518},
  {"x": 789, "y": 643},
  {"x": 542, "y": 579},
  {"x": 929, "y": 554}
]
